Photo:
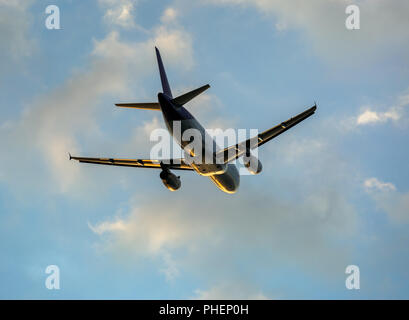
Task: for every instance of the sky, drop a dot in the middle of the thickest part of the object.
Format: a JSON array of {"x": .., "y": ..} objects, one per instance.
[{"x": 334, "y": 190}]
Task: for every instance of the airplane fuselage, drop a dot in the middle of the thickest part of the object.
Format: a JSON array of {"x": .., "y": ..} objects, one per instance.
[{"x": 225, "y": 176}]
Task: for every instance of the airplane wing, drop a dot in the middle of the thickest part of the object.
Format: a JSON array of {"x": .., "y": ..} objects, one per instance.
[
  {"x": 235, "y": 151},
  {"x": 173, "y": 164}
]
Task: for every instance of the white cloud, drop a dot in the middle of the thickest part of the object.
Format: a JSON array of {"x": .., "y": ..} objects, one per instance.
[
  {"x": 229, "y": 291},
  {"x": 185, "y": 233},
  {"x": 119, "y": 12},
  {"x": 150, "y": 229},
  {"x": 375, "y": 184},
  {"x": 397, "y": 114},
  {"x": 15, "y": 40},
  {"x": 295, "y": 228},
  {"x": 170, "y": 268},
  {"x": 389, "y": 199},
  {"x": 170, "y": 15},
  {"x": 177, "y": 44},
  {"x": 372, "y": 117},
  {"x": 284, "y": 229},
  {"x": 383, "y": 25},
  {"x": 104, "y": 227},
  {"x": 52, "y": 124}
]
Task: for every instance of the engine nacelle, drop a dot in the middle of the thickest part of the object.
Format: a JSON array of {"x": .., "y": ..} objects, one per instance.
[
  {"x": 171, "y": 181},
  {"x": 252, "y": 164}
]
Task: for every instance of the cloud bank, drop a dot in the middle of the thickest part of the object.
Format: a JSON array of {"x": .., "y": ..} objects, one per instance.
[
  {"x": 52, "y": 125},
  {"x": 383, "y": 25}
]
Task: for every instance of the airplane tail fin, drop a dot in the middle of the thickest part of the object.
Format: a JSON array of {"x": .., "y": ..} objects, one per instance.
[
  {"x": 184, "y": 98},
  {"x": 163, "y": 77}
]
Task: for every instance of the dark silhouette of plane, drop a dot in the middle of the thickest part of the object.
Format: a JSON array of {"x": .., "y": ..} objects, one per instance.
[{"x": 220, "y": 169}]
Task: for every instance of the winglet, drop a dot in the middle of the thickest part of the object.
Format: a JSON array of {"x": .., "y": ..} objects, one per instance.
[{"x": 69, "y": 154}]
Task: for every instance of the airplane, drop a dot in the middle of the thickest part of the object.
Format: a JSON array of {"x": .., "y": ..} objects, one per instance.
[{"x": 221, "y": 171}]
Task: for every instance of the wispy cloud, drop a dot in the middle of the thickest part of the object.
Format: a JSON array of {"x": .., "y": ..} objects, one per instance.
[
  {"x": 15, "y": 40},
  {"x": 372, "y": 184},
  {"x": 372, "y": 117},
  {"x": 375, "y": 114},
  {"x": 237, "y": 290},
  {"x": 259, "y": 223},
  {"x": 397, "y": 113},
  {"x": 52, "y": 124},
  {"x": 169, "y": 15},
  {"x": 119, "y": 12},
  {"x": 323, "y": 22},
  {"x": 106, "y": 226},
  {"x": 389, "y": 199}
]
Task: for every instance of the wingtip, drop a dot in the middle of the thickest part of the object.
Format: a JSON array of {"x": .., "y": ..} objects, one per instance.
[
  {"x": 157, "y": 52},
  {"x": 69, "y": 155}
]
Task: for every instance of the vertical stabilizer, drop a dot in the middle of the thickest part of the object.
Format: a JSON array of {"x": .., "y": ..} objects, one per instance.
[{"x": 163, "y": 77}]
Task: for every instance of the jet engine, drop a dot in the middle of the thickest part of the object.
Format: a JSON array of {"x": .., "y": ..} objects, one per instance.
[
  {"x": 252, "y": 164},
  {"x": 171, "y": 181}
]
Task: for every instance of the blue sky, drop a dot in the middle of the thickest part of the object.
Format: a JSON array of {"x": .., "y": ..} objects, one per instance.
[{"x": 334, "y": 190}]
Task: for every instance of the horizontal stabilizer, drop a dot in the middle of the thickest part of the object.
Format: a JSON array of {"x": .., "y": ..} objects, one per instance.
[
  {"x": 184, "y": 98},
  {"x": 143, "y": 105}
]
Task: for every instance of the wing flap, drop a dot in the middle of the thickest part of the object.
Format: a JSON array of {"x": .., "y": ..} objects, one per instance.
[{"x": 284, "y": 126}]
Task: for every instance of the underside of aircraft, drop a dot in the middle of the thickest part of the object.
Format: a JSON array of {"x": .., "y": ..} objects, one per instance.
[{"x": 220, "y": 170}]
